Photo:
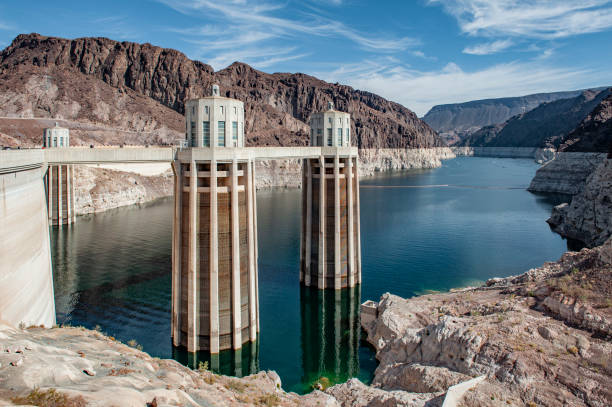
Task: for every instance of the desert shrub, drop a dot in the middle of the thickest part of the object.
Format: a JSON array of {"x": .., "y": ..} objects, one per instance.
[
  {"x": 269, "y": 400},
  {"x": 132, "y": 343},
  {"x": 50, "y": 398},
  {"x": 236, "y": 385}
]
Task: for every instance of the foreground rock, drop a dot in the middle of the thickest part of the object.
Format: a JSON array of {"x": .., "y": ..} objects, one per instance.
[
  {"x": 85, "y": 368},
  {"x": 541, "y": 338},
  {"x": 588, "y": 218}
]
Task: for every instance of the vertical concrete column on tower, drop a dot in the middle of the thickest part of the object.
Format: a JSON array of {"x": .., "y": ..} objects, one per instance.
[
  {"x": 351, "y": 220},
  {"x": 60, "y": 194},
  {"x": 357, "y": 223},
  {"x": 321, "y": 266},
  {"x": 330, "y": 241},
  {"x": 254, "y": 189},
  {"x": 235, "y": 286},
  {"x": 176, "y": 255},
  {"x": 305, "y": 275},
  {"x": 253, "y": 312},
  {"x": 214, "y": 291},
  {"x": 60, "y": 202},
  {"x": 337, "y": 235},
  {"x": 73, "y": 189},
  {"x": 193, "y": 288},
  {"x": 213, "y": 304}
]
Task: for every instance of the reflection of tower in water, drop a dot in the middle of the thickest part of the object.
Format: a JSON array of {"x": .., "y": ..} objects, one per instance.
[
  {"x": 64, "y": 246},
  {"x": 330, "y": 334},
  {"x": 240, "y": 362}
]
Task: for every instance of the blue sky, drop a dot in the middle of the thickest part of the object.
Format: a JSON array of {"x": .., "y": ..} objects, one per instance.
[{"x": 418, "y": 53}]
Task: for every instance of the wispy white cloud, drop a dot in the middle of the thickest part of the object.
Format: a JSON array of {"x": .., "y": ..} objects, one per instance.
[
  {"x": 546, "y": 19},
  {"x": 259, "y": 57},
  {"x": 420, "y": 90},
  {"x": 116, "y": 26},
  {"x": 6, "y": 26},
  {"x": 250, "y": 15},
  {"x": 488, "y": 48}
]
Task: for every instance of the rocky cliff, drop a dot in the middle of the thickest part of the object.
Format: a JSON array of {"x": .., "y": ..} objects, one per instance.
[
  {"x": 595, "y": 131},
  {"x": 458, "y": 120},
  {"x": 154, "y": 82},
  {"x": 538, "y": 339},
  {"x": 588, "y": 218},
  {"x": 566, "y": 174},
  {"x": 544, "y": 126}
]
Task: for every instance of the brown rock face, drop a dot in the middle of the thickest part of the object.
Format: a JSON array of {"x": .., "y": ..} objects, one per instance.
[
  {"x": 278, "y": 105},
  {"x": 594, "y": 133}
]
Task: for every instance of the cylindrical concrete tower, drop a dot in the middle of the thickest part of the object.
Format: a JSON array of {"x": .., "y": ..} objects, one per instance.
[
  {"x": 59, "y": 180},
  {"x": 214, "y": 269},
  {"x": 214, "y": 121},
  {"x": 331, "y": 244}
]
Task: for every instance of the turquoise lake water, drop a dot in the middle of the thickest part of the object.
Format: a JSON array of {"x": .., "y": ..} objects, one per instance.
[{"x": 422, "y": 230}]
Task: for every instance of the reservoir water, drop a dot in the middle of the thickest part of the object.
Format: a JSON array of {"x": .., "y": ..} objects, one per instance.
[{"x": 421, "y": 230}]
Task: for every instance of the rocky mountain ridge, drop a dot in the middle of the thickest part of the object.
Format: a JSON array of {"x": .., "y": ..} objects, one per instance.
[
  {"x": 278, "y": 105},
  {"x": 595, "y": 132},
  {"x": 545, "y": 126},
  {"x": 456, "y": 120}
]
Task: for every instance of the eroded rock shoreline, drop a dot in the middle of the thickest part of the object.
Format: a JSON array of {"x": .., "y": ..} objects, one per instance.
[{"x": 541, "y": 338}]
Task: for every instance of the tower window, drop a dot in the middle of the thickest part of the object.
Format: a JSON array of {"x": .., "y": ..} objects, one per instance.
[
  {"x": 235, "y": 133},
  {"x": 319, "y": 137},
  {"x": 330, "y": 138},
  {"x": 206, "y": 134},
  {"x": 221, "y": 134},
  {"x": 340, "y": 136},
  {"x": 193, "y": 134},
  {"x": 221, "y": 109},
  {"x": 206, "y": 109}
]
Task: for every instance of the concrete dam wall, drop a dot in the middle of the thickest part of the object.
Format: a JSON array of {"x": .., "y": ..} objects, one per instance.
[{"x": 26, "y": 281}]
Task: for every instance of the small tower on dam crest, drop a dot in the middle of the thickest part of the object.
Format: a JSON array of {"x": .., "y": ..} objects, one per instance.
[
  {"x": 330, "y": 128},
  {"x": 59, "y": 180},
  {"x": 331, "y": 244},
  {"x": 214, "y": 121},
  {"x": 214, "y": 259}
]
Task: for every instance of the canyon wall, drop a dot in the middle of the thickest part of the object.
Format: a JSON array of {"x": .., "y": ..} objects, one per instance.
[
  {"x": 142, "y": 88},
  {"x": 588, "y": 217},
  {"x": 566, "y": 174}
]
